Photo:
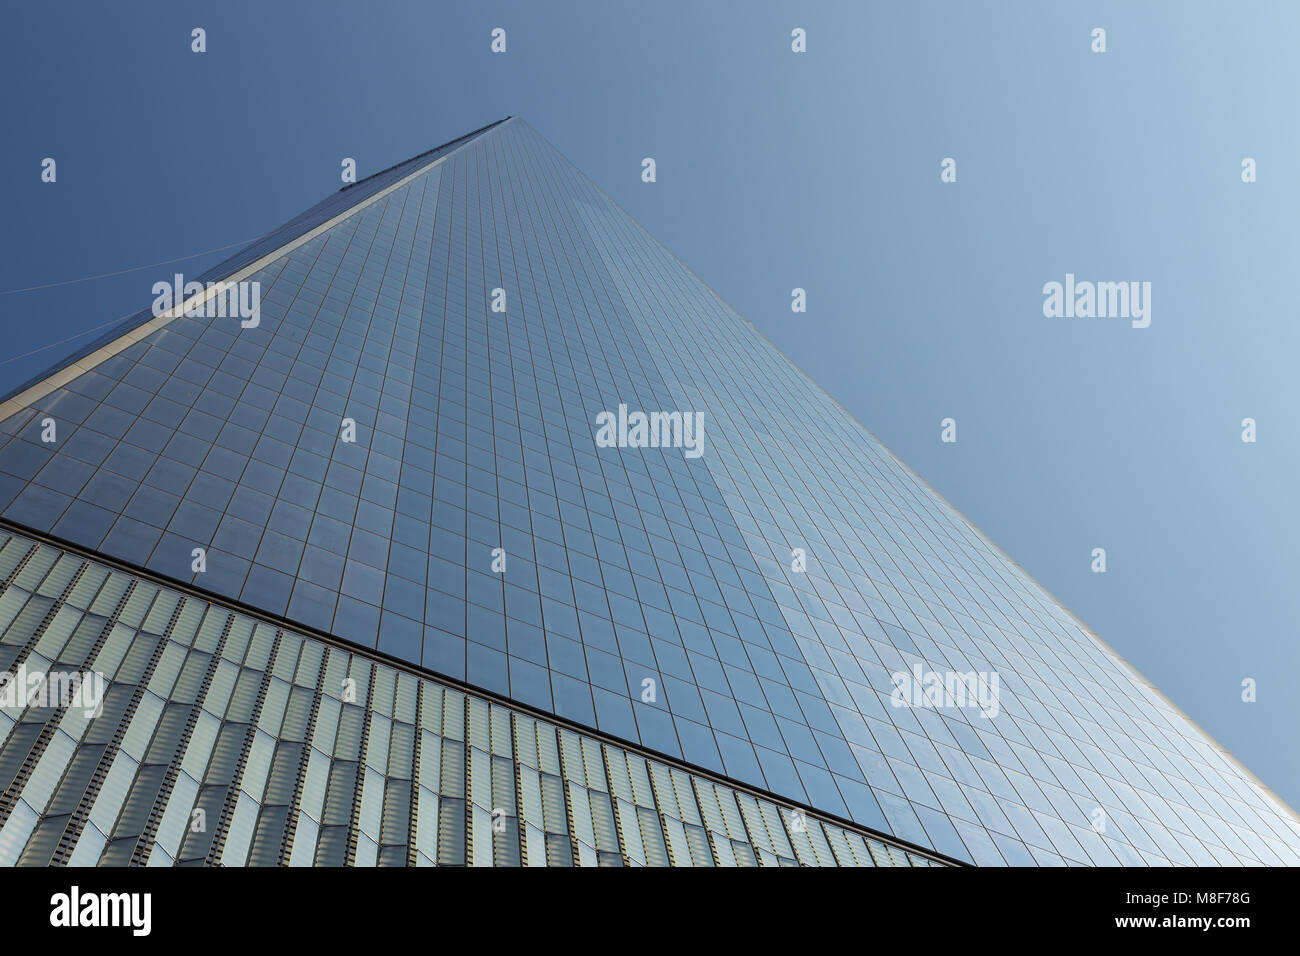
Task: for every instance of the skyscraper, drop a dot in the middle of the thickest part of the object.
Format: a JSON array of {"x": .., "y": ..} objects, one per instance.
[{"x": 461, "y": 522}]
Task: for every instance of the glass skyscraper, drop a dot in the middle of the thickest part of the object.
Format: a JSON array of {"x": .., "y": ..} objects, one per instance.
[{"x": 497, "y": 537}]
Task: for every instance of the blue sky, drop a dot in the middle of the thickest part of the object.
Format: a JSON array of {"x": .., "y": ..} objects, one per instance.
[{"x": 820, "y": 171}]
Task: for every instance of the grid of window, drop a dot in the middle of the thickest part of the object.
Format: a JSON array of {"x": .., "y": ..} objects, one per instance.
[
  {"x": 345, "y": 198},
  {"x": 644, "y": 593},
  {"x": 225, "y": 740}
]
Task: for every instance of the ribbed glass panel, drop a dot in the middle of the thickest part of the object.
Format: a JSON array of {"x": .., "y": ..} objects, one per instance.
[{"x": 202, "y": 740}]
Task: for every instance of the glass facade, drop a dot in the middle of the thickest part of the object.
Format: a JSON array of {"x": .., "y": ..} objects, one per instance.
[
  {"x": 223, "y": 739},
  {"x": 405, "y": 454}
]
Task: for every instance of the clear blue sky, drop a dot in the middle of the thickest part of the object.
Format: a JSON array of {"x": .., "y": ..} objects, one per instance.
[{"x": 820, "y": 171}]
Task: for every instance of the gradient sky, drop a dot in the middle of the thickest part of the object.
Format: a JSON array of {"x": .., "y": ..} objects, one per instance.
[{"x": 821, "y": 171}]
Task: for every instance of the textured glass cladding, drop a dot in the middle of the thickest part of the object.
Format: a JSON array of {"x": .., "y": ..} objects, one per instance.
[
  {"x": 226, "y": 740},
  {"x": 475, "y": 430}
]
